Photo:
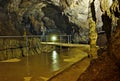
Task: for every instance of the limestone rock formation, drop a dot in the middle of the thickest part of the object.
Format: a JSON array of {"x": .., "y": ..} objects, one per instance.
[
  {"x": 21, "y": 47},
  {"x": 63, "y": 15},
  {"x": 106, "y": 67}
]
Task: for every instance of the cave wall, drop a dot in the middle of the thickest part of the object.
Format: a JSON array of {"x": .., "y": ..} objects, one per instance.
[
  {"x": 21, "y": 47},
  {"x": 114, "y": 46},
  {"x": 63, "y": 15},
  {"x": 106, "y": 67}
]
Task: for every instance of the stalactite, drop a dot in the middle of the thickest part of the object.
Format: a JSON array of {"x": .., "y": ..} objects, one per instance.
[
  {"x": 110, "y": 21},
  {"x": 112, "y": 11},
  {"x": 13, "y": 5},
  {"x": 115, "y": 6}
]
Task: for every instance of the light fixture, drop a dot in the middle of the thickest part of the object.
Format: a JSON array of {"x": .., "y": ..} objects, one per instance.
[{"x": 54, "y": 38}]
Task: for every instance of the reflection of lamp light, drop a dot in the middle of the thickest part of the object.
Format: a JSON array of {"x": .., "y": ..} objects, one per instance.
[
  {"x": 54, "y": 55},
  {"x": 55, "y": 61},
  {"x": 53, "y": 38}
]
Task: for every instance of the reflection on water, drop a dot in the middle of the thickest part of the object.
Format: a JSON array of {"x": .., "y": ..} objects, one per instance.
[
  {"x": 43, "y": 64},
  {"x": 54, "y": 56},
  {"x": 55, "y": 60},
  {"x": 11, "y": 60}
]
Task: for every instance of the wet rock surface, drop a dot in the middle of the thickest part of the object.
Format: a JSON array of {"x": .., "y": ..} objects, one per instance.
[
  {"x": 16, "y": 48},
  {"x": 43, "y": 66}
]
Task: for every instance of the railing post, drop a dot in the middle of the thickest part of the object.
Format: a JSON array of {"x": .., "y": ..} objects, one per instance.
[
  {"x": 46, "y": 42},
  {"x": 68, "y": 41},
  {"x": 60, "y": 38},
  {"x": 70, "y": 38},
  {"x": 27, "y": 49},
  {"x": 60, "y": 42}
]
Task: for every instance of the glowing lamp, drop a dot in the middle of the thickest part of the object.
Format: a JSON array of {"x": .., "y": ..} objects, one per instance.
[{"x": 53, "y": 38}]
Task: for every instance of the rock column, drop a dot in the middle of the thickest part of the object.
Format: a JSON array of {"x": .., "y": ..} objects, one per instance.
[{"x": 93, "y": 33}]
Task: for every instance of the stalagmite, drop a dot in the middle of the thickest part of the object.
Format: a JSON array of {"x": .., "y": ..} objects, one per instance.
[{"x": 92, "y": 34}]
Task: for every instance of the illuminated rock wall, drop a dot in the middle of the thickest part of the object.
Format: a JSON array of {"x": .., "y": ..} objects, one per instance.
[
  {"x": 67, "y": 16},
  {"x": 21, "y": 47}
]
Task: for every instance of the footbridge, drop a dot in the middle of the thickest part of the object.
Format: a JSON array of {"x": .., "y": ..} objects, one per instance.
[
  {"x": 64, "y": 44},
  {"x": 56, "y": 40}
]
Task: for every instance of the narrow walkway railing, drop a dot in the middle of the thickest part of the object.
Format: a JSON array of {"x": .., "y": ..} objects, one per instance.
[{"x": 8, "y": 41}]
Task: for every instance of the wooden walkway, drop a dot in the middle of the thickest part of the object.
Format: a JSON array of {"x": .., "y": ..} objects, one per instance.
[{"x": 64, "y": 44}]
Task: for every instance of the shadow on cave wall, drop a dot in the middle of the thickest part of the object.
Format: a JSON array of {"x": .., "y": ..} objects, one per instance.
[
  {"x": 60, "y": 22},
  {"x": 51, "y": 19}
]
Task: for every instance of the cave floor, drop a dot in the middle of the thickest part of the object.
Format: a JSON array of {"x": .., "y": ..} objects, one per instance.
[
  {"x": 46, "y": 67},
  {"x": 72, "y": 73}
]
